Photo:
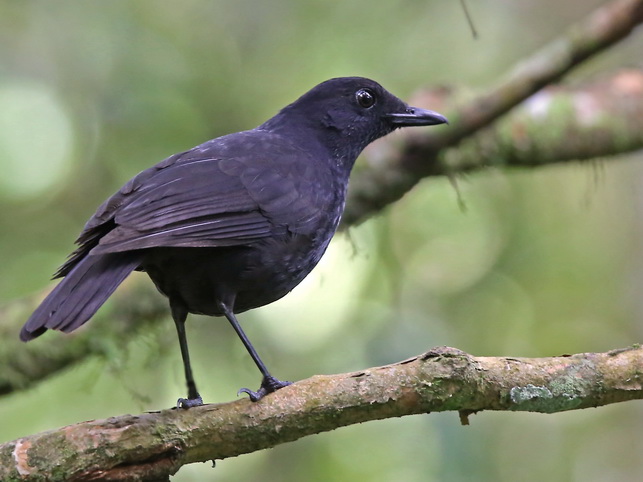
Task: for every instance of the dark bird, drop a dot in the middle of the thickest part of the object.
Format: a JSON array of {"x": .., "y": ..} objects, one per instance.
[{"x": 234, "y": 223}]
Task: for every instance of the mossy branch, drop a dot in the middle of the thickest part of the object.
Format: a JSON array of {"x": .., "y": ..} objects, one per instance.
[{"x": 153, "y": 446}]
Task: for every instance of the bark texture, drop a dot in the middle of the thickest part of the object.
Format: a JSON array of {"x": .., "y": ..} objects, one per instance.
[{"x": 153, "y": 446}]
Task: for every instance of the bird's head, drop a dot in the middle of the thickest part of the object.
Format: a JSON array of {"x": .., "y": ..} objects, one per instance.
[{"x": 346, "y": 114}]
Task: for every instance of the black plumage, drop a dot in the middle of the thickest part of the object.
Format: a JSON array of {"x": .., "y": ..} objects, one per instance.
[{"x": 234, "y": 223}]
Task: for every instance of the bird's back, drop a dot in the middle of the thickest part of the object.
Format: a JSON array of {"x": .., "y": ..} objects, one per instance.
[{"x": 288, "y": 206}]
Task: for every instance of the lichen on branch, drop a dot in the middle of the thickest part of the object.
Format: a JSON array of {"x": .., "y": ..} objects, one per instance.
[{"x": 152, "y": 446}]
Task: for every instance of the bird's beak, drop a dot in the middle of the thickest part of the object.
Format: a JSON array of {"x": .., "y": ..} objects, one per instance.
[{"x": 414, "y": 116}]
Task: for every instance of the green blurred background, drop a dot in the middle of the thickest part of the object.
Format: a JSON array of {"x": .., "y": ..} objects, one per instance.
[{"x": 541, "y": 262}]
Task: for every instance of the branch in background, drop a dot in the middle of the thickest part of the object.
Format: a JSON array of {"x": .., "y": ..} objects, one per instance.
[
  {"x": 389, "y": 181},
  {"x": 600, "y": 118},
  {"x": 153, "y": 446},
  {"x": 134, "y": 307},
  {"x": 558, "y": 124}
]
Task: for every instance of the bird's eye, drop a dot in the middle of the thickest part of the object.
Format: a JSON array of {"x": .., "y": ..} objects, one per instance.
[{"x": 365, "y": 98}]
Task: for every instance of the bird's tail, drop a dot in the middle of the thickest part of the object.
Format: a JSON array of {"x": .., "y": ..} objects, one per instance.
[{"x": 81, "y": 292}]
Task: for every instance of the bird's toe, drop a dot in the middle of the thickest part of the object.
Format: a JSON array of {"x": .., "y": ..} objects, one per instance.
[
  {"x": 189, "y": 402},
  {"x": 268, "y": 385}
]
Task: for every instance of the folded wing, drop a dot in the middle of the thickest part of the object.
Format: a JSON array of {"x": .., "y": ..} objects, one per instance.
[{"x": 204, "y": 197}]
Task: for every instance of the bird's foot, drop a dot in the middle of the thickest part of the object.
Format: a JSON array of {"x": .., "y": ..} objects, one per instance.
[
  {"x": 268, "y": 385},
  {"x": 189, "y": 402}
]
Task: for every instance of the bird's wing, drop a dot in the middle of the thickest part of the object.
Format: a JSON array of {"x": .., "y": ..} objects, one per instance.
[
  {"x": 191, "y": 204},
  {"x": 223, "y": 193}
]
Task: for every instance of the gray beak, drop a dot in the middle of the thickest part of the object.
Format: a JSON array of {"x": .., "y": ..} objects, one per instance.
[{"x": 414, "y": 116}]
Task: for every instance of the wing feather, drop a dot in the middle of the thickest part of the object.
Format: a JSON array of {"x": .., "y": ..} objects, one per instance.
[{"x": 225, "y": 192}]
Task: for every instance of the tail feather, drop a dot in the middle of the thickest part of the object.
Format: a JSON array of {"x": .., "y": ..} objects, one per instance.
[{"x": 81, "y": 292}]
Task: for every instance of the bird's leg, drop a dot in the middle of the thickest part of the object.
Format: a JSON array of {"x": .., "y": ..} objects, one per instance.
[
  {"x": 269, "y": 383},
  {"x": 180, "y": 314}
]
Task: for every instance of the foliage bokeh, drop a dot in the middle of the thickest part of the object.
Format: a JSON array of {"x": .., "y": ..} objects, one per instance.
[{"x": 539, "y": 263}]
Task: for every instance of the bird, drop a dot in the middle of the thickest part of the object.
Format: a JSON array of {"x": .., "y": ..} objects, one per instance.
[{"x": 232, "y": 224}]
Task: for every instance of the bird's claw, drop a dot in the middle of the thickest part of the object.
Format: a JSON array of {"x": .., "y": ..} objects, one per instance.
[
  {"x": 268, "y": 385},
  {"x": 189, "y": 402}
]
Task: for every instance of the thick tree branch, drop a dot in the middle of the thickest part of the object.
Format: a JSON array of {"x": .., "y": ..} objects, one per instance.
[
  {"x": 403, "y": 167},
  {"x": 153, "y": 446}
]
